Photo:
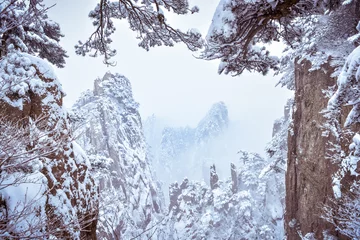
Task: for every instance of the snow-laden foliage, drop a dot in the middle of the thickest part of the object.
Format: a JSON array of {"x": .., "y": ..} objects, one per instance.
[
  {"x": 277, "y": 148},
  {"x": 20, "y": 73},
  {"x": 348, "y": 91},
  {"x": 231, "y": 35},
  {"x": 249, "y": 211},
  {"x": 344, "y": 214},
  {"x": 240, "y": 31},
  {"x": 147, "y": 18},
  {"x": 111, "y": 134},
  {"x": 268, "y": 190},
  {"x": 47, "y": 190},
  {"x": 25, "y": 26},
  {"x": 22, "y": 185},
  {"x": 320, "y": 39},
  {"x": 275, "y": 167}
]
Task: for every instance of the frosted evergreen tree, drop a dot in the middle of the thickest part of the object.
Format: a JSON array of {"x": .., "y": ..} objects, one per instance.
[
  {"x": 240, "y": 29},
  {"x": 26, "y": 27}
]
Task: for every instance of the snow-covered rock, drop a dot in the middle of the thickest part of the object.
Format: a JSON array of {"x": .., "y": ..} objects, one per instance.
[
  {"x": 112, "y": 136},
  {"x": 46, "y": 189}
]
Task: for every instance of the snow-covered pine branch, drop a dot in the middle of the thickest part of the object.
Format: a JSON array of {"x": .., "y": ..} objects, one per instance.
[
  {"x": 146, "y": 18},
  {"x": 241, "y": 29},
  {"x": 26, "y": 26}
]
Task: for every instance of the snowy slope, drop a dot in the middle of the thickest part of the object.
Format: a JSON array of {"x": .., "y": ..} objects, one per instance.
[{"x": 111, "y": 134}]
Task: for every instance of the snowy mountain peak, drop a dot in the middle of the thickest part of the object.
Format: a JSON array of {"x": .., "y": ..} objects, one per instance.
[
  {"x": 215, "y": 121},
  {"x": 115, "y": 86},
  {"x": 219, "y": 111},
  {"x": 113, "y": 139}
]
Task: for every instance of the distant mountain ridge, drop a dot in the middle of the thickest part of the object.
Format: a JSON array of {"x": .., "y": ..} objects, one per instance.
[
  {"x": 179, "y": 152},
  {"x": 213, "y": 124}
]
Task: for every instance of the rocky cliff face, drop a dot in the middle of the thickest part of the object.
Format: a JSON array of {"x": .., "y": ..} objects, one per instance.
[
  {"x": 318, "y": 141},
  {"x": 311, "y": 168},
  {"x": 309, "y": 172},
  {"x": 112, "y": 136},
  {"x": 51, "y": 192}
]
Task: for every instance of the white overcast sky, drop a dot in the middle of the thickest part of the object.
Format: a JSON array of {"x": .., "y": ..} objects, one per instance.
[{"x": 170, "y": 82}]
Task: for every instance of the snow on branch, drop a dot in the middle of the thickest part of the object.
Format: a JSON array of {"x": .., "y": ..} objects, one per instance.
[
  {"x": 23, "y": 186},
  {"x": 145, "y": 18},
  {"x": 344, "y": 214},
  {"x": 348, "y": 92},
  {"x": 26, "y": 26},
  {"x": 241, "y": 29}
]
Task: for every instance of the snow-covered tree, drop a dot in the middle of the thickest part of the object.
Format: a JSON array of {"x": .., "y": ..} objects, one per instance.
[
  {"x": 25, "y": 26},
  {"x": 147, "y": 18},
  {"x": 241, "y": 29},
  {"x": 344, "y": 213},
  {"x": 20, "y": 150},
  {"x": 23, "y": 185},
  {"x": 245, "y": 206},
  {"x": 277, "y": 148}
]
